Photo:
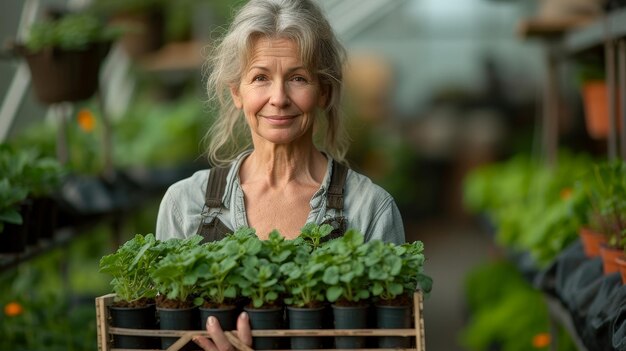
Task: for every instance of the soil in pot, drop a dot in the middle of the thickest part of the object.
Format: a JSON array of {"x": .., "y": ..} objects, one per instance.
[
  {"x": 350, "y": 317},
  {"x": 306, "y": 318},
  {"x": 266, "y": 318},
  {"x": 394, "y": 316},
  {"x": 591, "y": 241},
  {"x": 226, "y": 316},
  {"x": 142, "y": 316}
]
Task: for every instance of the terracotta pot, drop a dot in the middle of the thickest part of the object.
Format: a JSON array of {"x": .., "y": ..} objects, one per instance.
[
  {"x": 609, "y": 254},
  {"x": 621, "y": 266},
  {"x": 596, "y": 106},
  {"x": 591, "y": 241}
]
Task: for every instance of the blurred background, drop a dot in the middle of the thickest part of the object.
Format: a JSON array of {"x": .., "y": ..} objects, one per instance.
[{"x": 434, "y": 91}]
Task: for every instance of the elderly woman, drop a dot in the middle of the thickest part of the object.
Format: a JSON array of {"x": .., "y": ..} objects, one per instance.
[{"x": 279, "y": 144}]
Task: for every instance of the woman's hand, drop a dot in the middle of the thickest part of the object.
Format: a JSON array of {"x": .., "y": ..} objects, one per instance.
[{"x": 219, "y": 340}]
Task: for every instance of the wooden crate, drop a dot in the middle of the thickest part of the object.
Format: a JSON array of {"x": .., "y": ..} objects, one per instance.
[{"x": 105, "y": 331}]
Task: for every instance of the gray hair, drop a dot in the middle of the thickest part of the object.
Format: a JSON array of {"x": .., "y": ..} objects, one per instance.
[{"x": 299, "y": 20}]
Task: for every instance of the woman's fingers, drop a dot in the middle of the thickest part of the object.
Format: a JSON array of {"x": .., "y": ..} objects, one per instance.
[
  {"x": 243, "y": 329},
  {"x": 205, "y": 344},
  {"x": 217, "y": 334}
]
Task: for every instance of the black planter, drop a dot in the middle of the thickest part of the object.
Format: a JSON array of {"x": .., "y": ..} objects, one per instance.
[
  {"x": 393, "y": 317},
  {"x": 178, "y": 319},
  {"x": 227, "y": 316},
  {"x": 306, "y": 318},
  {"x": 135, "y": 318},
  {"x": 270, "y": 318},
  {"x": 45, "y": 209},
  {"x": 350, "y": 317},
  {"x": 13, "y": 237}
]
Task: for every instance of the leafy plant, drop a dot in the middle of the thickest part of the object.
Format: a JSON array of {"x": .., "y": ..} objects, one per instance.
[
  {"x": 303, "y": 279},
  {"x": 130, "y": 266},
  {"x": 176, "y": 274},
  {"x": 217, "y": 284},
  {"x": 74, "y": 31},
  {"x": 259, "y": 276},
  {"x": 345, "y": 272},
  {"x": 312, "y": 234},
  {"x": 24, "y": 174},
  {"x": 605, "y": 188},
  {"x": 396, "y": 270}
]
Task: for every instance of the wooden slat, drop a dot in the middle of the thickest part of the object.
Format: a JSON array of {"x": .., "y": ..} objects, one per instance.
[
  {"x": 544, "y": 28},
  {"x": 104, "y": 330},
  {"x": 102, "y": 321}
]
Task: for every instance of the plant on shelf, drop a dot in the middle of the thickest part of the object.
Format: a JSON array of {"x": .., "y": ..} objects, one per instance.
[
  {"x": 64, "y": 55},
  {"x": 10, "y": 198}
]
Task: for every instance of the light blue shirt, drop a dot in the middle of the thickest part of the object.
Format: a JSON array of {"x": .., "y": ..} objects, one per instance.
[{"x": 367, "y": 207}]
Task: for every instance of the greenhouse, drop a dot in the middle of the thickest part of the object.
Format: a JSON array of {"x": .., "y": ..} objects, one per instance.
[{"x": 313, "y": 174}]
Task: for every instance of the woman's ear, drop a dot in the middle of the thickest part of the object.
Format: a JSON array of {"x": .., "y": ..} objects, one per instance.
[{"x": 234, "y": 92}]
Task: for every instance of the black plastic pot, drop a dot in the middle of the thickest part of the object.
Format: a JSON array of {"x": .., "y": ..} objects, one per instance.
[
  {"x": 306, "y": 318},
  {"x": 350, "y": 317},
  {"x": 270, "y": 318},
  {"x": 178, "y": 319},
  {"x": 393, "y": 317},
  {"x": 13, "y": 237},
  {"x": 135, "y": 318},
  {"x": 226, "y": 316}
]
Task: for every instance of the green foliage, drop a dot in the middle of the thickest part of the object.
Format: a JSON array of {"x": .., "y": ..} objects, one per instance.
[
  {"x": 506, "y": 314},
  {"x": 24, "y": 174},
  {"x": 258, "y": 277},
  {"x": 74, "y": 31},
  {"x": 303, "y": 279},
  {"x": 312, "y": 234},
  {"x": 130, "y": 266},
  {"x": 605, "y": 189},
  {"x": 345, "y": 272},
  {"x": 534, "y": 208},
  {"x": 182, "y": 263}
]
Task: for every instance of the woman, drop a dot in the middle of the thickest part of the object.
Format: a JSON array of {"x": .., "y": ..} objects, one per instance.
[{"x": 277, "y": 77}]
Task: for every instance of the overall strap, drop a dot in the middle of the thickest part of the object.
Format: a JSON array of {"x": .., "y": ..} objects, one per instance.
[
  {"x": 334, "y": 195},
  {"x": 334, "y": 200},
  {"x": 216, "y": 187}
]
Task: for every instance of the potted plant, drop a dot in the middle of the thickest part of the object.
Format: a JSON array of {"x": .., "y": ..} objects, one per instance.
[
  {"x": 304, "y": 295},
  {"x": 217, "y": 286},
  {"x": 12, "y": 235},
  {"x": 346, "y": 279},
  {"x": 134, "y": 305},
  {"x": 607, "y": 193},
  {"x": 64, "y": 56},
  {"x": 176, "y": 277},
  {"x": 258, "y": 279},
  {"x": 395, "y": 272}
]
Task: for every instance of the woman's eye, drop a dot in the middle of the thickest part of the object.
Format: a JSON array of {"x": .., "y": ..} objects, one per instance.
[
  {"x": 299, "y": 79},
  {"x": 259, "y": 78}
]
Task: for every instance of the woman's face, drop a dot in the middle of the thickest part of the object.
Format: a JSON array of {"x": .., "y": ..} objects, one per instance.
[{"x": 278, "y": 96}]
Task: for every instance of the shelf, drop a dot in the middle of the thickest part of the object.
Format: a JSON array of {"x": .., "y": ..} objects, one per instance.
[
  {"x": 177, "y": 56},
  {"x": 548, "y": 29},
  {"x": 594, "y": 35}
]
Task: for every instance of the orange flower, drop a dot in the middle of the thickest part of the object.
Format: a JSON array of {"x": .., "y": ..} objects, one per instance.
[
  {"x": 86, "y": 120},
  {"x": 13, "y": 309},
  {"x": 541, "y": 340},
  {"x": 566, "y": 193}
]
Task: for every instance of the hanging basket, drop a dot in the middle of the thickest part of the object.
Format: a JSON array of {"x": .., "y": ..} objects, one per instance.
[{"x": 65, "y": 75}]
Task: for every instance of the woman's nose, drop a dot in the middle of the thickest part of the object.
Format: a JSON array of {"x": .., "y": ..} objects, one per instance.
[{"x": 279, "y": 95}]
